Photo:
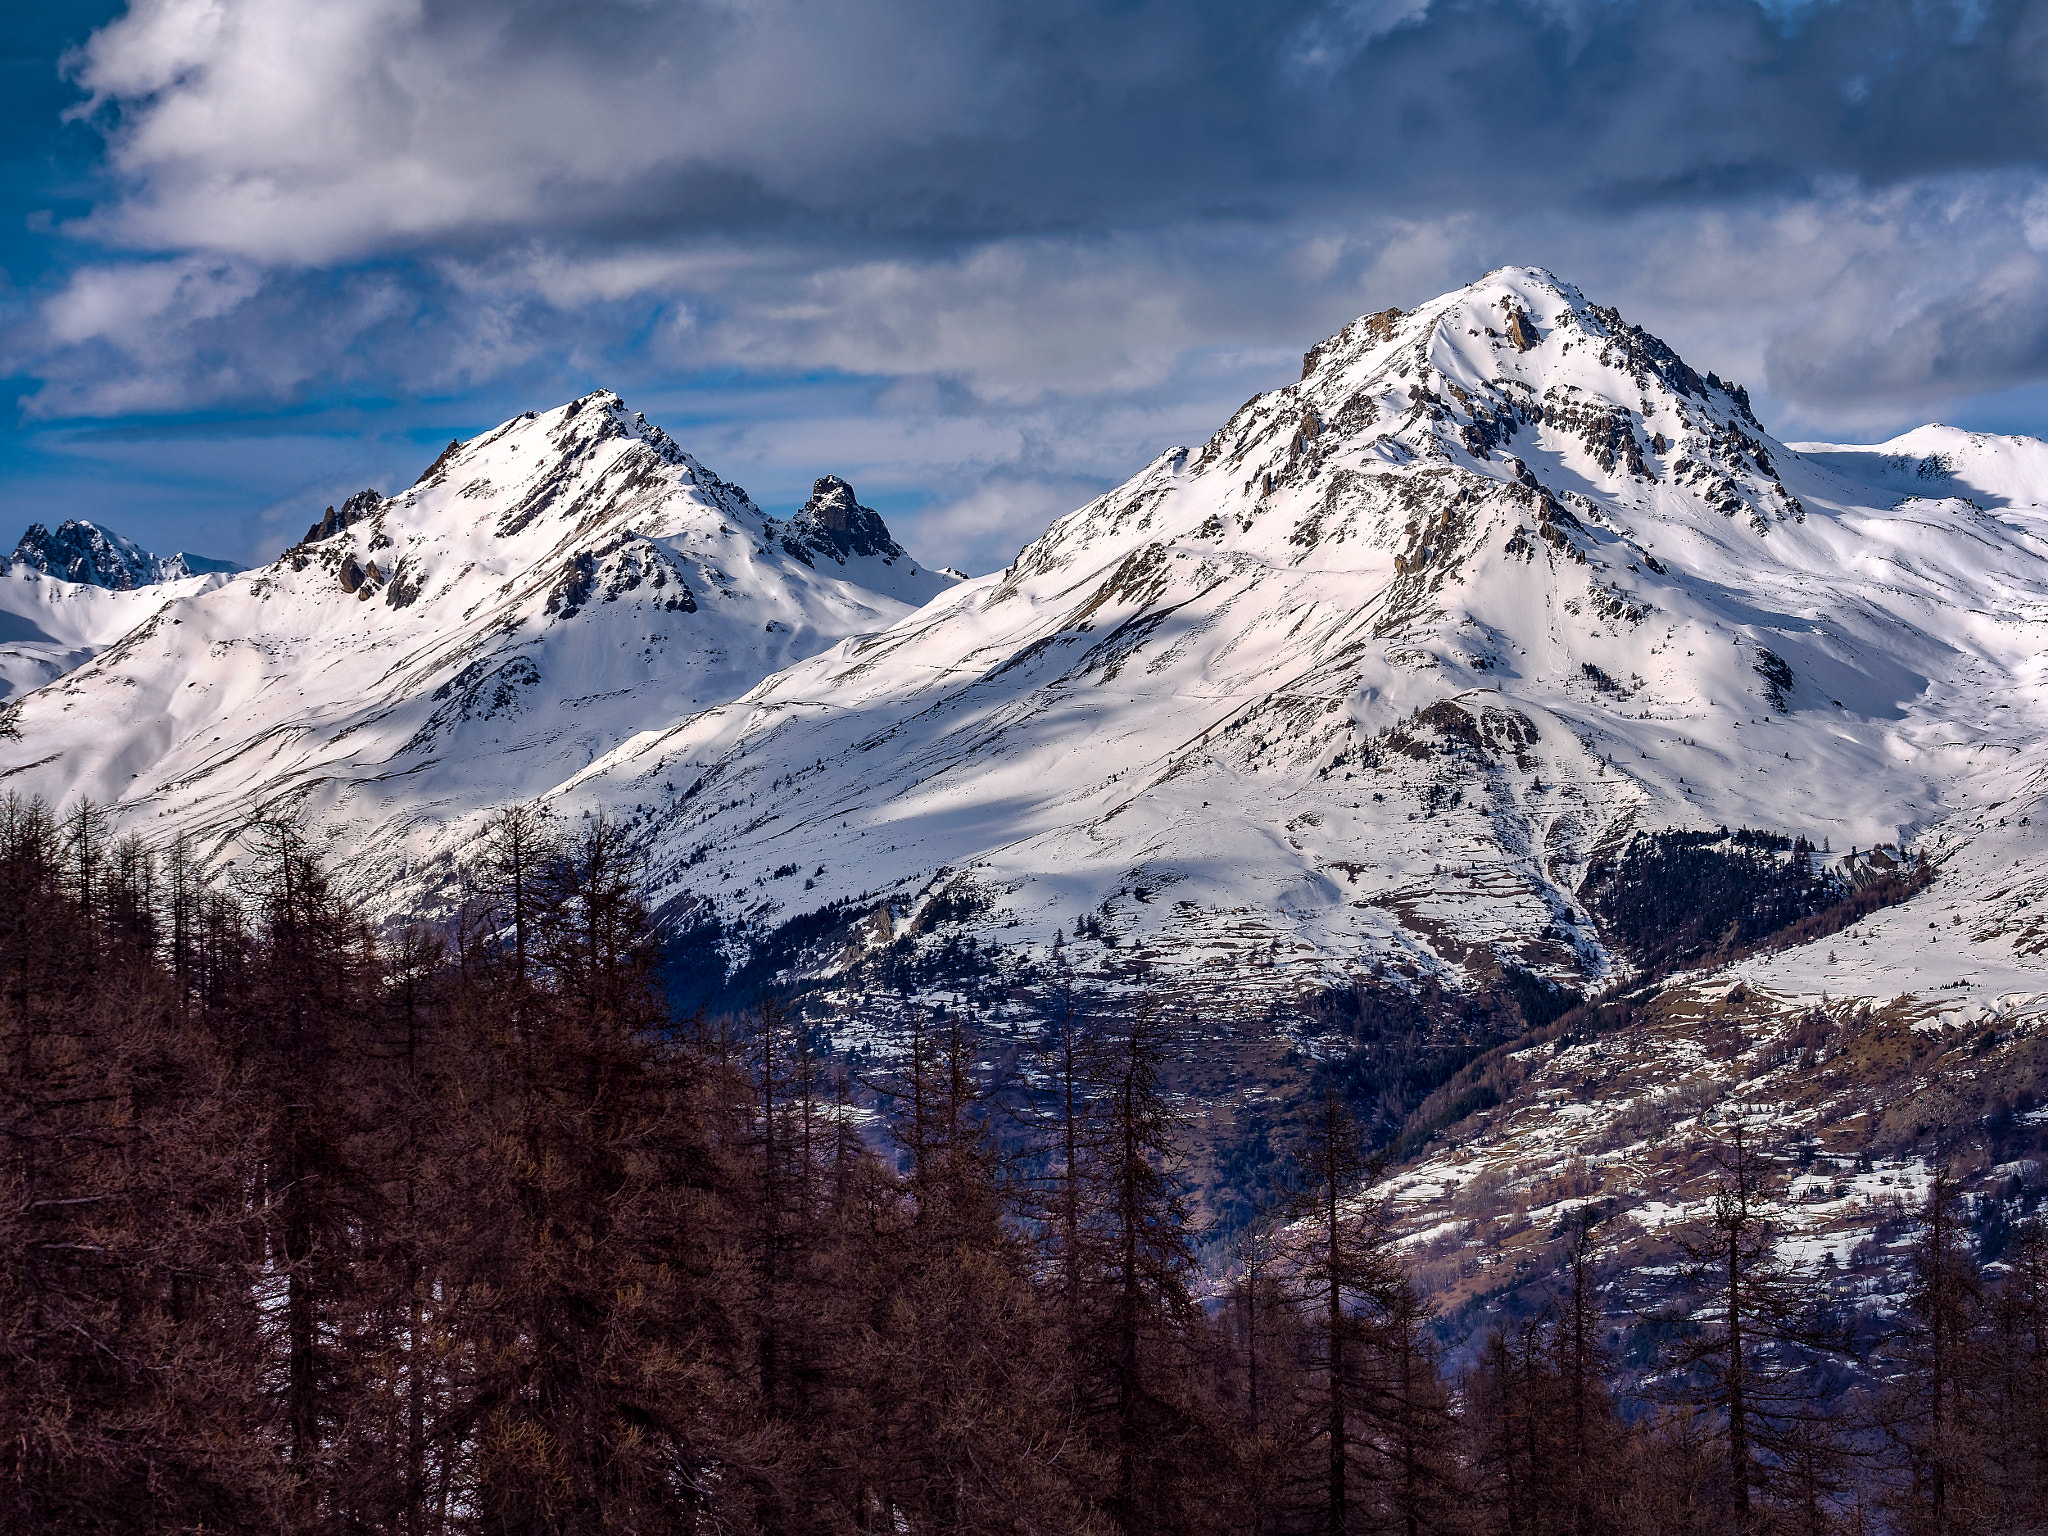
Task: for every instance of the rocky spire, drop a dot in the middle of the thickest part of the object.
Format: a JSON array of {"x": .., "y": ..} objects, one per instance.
[
  {"x": 833, "y": 525},
  {"x": 353, "y": 510}
]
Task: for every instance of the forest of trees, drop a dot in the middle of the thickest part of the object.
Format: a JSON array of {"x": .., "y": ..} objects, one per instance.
[{"x": 311, "y": 1226}]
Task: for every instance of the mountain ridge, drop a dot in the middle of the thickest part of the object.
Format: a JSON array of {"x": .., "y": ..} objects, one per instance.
[
  {"x": 420, "y": 659},
  {"x": 1506, "y": 546},
  {"x": 1388, "y": 742},
  {"x": 87, "y": 554},
  {"x": 67, "y": 595},
  {"x": 1358, "y": 692}
]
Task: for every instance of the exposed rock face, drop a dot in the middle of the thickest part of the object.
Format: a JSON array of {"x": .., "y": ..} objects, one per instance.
[
  {"x": 93, "y": 556},
  {"x": 454, "y": 448},
  {"x": 353, "y": 511},
  {"x": 834, "y": 526}
]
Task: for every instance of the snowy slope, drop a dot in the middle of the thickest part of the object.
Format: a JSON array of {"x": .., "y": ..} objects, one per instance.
[
  {"x": 1933, "y": 462},
  {"x": 540, "y": 594},
  {"x": 67, "y": 595},
  {"x": 49, "y": 626},
  {"x": 1365, "y": 680}
]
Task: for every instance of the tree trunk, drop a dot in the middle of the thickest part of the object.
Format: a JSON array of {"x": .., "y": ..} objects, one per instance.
[
  {"x": 1738, "y": 1422},
  {"x": 1338, "y": 1519}
]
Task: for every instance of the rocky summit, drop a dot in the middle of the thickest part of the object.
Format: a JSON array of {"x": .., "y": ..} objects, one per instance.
[
  {"x": 88, "y": 555},
  {"x": 538, "y": 596}
]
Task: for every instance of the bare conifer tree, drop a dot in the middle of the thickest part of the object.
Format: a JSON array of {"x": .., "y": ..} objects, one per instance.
[{"x": 1764, "y": 1333}]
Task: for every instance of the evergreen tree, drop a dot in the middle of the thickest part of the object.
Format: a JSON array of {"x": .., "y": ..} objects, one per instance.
[
  {"x": 129, "y": 1348},
  {"x": 1348, "y": 1275},
  {"x": 2013, "y": 1408},
  {"x": 589, "y": 1385},
  {"x": 1147, "y": 1246}
]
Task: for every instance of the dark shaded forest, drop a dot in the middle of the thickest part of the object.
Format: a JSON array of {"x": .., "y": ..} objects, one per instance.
[
  {"x": 1676, "y": 897},
  {"x": 312, "y": 1226}
]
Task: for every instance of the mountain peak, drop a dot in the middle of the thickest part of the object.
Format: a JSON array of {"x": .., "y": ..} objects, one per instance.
[
  {"x": 1487, "y": 330},
  {"x": 554, "y": 585},
  {"x": 85, "y": 553},
  {"x": 1527, "y": 395},
  {"x": 834, "y": 526}
]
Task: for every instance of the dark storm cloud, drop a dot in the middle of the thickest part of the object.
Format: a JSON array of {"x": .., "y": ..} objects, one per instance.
[{"x": 419, "y": 127}]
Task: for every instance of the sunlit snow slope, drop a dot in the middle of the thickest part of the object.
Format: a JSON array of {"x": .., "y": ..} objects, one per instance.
[
  {"x": 67, "y": 595},
  {"x": 49, "y": 626},
  {"x": 541, "y": 593},
  {"x": 1365, "y": 680}
]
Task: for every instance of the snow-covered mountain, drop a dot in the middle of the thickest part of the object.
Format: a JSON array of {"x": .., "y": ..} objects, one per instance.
[
  {"x": 1361, "y": 688},
  {"x": 1356, "y": 701},
  {"x": 1362, "y": 685},
  {"x": 541, "y": 593},
  {"x": 88, "y": 555}
]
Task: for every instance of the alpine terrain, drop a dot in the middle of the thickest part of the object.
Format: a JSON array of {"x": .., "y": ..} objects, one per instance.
[
  {"x": 1493, "y": 746},
  {"x": 417, "y": 661},
  {"x": 66, "y": 595},
  {"x": 1497, "y": 727},
  {"x": 1376, "y": 687},
  {"x": 1503, "y": 660}
]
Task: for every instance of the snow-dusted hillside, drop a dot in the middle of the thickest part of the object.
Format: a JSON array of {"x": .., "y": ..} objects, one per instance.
[
  {"x": 1367, "y": 679},
  {"x": 1846, "y": 1103},
  {"x": 49, "y": 627},
  {"x": 540, "y": 594}
]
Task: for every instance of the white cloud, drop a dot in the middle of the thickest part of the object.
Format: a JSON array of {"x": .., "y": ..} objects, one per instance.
[
  {"x": 1015, "y": 319},
  {"x": 289, "y": 132},
  {"x": 1332, "y": 38},
  {"x": 984, "y": 529},
  {"x": 133, "y": 305},
  {"x": 173, "y": 335}
]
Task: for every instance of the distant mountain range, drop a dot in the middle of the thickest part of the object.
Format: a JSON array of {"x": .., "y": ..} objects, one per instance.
[
  {"x": 1365, "y": 688},
  {"x": 1496, "y": 726},
  {"x": 1362, "y": 690},
  {"x": 89, "y": 555}
]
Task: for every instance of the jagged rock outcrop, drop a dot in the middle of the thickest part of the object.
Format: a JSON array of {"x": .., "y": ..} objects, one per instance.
[
  {"x": 359, "y": 506},
  {"x": 834, "y": 526},
  {"x": 92, "y": 556}
]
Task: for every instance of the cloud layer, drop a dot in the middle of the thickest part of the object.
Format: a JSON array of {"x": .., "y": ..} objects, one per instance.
[
  {"x": 281, "y": 132},
  {"x": 1039, "y": 233}
]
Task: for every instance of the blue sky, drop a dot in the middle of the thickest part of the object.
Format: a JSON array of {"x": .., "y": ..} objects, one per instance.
[{"x": 984, "y": 261}]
